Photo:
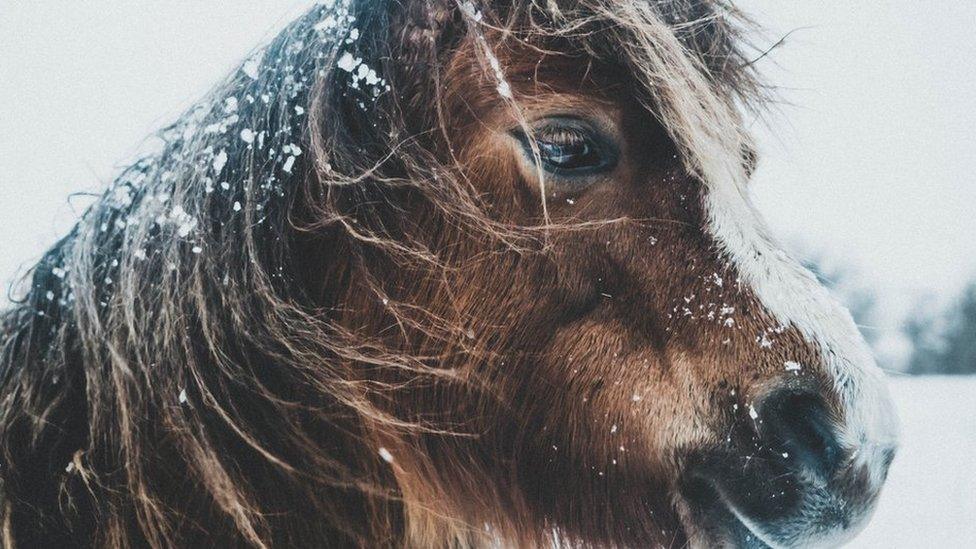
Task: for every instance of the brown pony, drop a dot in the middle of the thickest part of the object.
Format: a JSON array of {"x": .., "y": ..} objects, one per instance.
[{"x": 438, "y": 274}]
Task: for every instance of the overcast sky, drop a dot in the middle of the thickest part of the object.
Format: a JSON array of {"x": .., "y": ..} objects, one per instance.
[{"x": 873, "y": 161}]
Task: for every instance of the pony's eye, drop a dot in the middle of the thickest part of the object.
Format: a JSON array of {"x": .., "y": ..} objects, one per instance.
[
  {"x": 567, "y": 147},
  {"x": 568, "y": 150}
]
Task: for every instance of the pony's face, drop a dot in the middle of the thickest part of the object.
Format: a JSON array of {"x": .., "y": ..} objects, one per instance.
[{"x": 663, "y": 360}]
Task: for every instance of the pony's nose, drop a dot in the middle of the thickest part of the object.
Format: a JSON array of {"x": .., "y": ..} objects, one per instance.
[{"x": 798, "y": 424}]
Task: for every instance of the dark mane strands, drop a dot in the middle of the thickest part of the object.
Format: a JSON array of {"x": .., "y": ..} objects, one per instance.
[{"x": 176, "y": 363}]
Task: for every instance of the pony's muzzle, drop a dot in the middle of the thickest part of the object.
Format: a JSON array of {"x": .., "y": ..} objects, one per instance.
[
  {"x": 797, "y": 425},
  {"x": 788, "y": 481}
]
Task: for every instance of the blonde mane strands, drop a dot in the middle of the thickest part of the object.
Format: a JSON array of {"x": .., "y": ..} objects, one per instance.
[{"x": 180, "y": 350}]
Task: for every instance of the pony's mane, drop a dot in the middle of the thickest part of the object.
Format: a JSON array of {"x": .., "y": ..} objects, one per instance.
[{"x": 180, "y": 343}]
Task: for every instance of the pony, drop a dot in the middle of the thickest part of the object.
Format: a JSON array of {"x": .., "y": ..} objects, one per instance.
[{"x": 444, "y": 274}]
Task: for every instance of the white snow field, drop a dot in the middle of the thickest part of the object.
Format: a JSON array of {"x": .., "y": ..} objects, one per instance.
[{"x": 930, "y": 498}]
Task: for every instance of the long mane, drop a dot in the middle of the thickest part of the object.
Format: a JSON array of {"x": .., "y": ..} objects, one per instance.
[{"x": 176, "y": 369}]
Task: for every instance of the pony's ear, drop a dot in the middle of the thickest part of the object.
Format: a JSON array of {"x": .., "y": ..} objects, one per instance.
[
  {"x": 426, "y": 24},
  {"x": 427, "y": 31},
  {"x": 384, "y": 78}
]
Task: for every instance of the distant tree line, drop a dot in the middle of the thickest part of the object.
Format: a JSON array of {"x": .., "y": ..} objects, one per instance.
[
  {"x": 945, "y": 343},
  {"x": 941, "y": 342}
]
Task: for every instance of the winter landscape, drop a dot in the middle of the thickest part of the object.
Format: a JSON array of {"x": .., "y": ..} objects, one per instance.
[{"x": 866, "y": 174}]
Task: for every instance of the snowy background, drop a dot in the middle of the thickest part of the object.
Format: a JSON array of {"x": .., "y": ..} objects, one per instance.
[{"x": 868, "y": 169}]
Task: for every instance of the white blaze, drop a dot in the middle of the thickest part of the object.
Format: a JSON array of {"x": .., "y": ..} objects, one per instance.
[{"x": 793, "y": 296}]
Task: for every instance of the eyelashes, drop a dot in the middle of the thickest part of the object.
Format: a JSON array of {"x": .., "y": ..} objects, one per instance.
[{"x": 569, "y": 148}]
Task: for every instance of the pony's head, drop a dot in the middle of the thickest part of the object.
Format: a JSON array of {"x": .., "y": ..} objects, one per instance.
[{"x": 434, "y": 272}]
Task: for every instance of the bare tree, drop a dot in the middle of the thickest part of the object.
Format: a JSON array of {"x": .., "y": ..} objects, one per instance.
[{"x": 945, "y": 343}]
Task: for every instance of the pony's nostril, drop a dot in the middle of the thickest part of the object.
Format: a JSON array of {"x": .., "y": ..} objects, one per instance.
[{"x": 798, "y": 423}]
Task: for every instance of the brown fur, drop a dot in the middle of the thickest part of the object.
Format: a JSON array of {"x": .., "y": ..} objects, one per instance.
[{"x": 534, "y": 369}]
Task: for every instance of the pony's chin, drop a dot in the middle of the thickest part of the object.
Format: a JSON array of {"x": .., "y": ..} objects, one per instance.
[{"x": 712, "y": 519}]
